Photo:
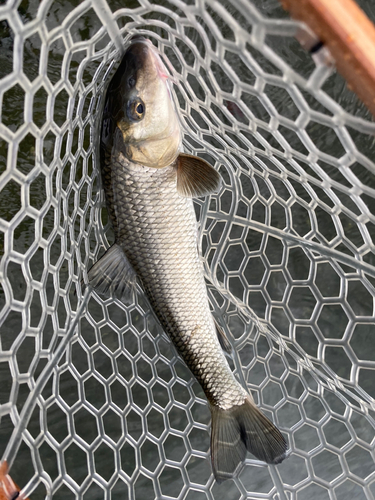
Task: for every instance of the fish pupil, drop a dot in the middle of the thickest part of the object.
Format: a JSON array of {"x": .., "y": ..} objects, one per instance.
[{"x": 135, "y": 109}]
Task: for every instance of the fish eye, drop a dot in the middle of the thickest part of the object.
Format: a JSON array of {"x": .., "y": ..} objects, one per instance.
[{"x": 136, "y": 110}]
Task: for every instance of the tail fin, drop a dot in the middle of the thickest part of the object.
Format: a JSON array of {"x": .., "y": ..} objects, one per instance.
[{"x": 239, "y": 429}]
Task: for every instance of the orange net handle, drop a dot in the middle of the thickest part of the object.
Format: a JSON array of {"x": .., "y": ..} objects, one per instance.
[{"x": 344, "y": 28}]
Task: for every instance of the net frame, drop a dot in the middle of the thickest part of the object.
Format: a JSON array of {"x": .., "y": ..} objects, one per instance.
[
  {"x": 349, "y": 35},
  {"x": 278, "y": 354}
]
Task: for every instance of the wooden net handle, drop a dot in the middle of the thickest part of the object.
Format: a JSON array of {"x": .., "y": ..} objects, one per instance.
[{"x": 344, "y": 28}]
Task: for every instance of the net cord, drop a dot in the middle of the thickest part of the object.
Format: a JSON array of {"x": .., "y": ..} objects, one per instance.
[
  {"x": 105, "y": 15},
  {"x": 249, "y": 315},
  {"x": 27, "y": 409},
  {"x": 314, "y": 250}
]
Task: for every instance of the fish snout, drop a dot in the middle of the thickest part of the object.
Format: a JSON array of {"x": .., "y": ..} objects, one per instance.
[{"x": 147, "y": 57}]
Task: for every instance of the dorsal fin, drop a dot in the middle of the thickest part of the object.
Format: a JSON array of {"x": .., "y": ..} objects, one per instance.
[{"x": 196, "y": 177}]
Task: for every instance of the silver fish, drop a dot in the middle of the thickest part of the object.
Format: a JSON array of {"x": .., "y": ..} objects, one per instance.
[{"x": 149, "y": 184}]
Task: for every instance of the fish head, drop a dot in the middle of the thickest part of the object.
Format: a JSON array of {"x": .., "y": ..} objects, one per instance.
[{"x": 139, "y": 104}]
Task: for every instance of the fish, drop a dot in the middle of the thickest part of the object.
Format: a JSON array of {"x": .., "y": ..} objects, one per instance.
[
  {"x": 8, "y": 488},
  {"x": 149, "y": 185}
]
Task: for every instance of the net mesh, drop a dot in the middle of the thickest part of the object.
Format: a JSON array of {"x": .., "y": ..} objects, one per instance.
[{"x": 95, "y": 402}]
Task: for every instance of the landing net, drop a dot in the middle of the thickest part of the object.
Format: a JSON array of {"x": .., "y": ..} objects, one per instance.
[{"x": 95, "y": 403}]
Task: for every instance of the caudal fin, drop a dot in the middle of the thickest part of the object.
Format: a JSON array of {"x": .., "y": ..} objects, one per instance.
[{"x": 240, "y": 429}]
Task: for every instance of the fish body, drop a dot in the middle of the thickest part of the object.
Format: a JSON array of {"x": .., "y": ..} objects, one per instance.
[
  {"x": 156, "y": 228},
  {"x": 149, "y": 184}
]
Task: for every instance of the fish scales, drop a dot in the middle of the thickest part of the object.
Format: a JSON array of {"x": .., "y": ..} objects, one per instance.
[
  {"x": 160, "y": 241},
  {"x": 149, "y": 185}
]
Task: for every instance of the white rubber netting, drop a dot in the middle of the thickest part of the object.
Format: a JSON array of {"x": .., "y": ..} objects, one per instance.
[{"x": 95, "y": 402}]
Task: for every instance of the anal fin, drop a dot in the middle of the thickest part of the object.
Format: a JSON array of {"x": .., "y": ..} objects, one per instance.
[
  {"x": 113, "y": 275},
  {"x": 223, "y": 339}
]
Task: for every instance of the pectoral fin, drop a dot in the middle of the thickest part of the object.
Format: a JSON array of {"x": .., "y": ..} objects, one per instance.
[
  {"x": 196, "y": 177},
  {"x": 113, "y": 275}
]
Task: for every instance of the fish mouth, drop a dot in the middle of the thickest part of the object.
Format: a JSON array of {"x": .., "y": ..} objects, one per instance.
[{"x": 147, "y": 55}]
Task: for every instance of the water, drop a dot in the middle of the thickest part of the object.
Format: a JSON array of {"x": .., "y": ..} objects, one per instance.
[{"x": 120, "y": 377}]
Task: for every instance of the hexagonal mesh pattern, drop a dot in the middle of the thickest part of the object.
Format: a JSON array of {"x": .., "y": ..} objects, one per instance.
[{"x": 95, "y": 402}]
